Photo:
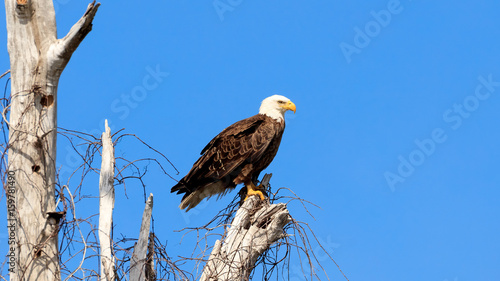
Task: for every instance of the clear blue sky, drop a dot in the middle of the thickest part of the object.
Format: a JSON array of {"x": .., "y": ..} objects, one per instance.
[{"x": 395, "y": 137}]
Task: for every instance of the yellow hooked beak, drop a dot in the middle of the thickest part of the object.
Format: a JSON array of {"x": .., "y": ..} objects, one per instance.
[{"x": 290, "y": 106}]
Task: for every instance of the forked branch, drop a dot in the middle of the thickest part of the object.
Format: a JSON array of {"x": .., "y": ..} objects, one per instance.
[{"x": 61, "y": 52}]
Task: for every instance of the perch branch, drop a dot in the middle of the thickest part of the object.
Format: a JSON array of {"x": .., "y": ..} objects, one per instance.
[{"x": 256, "y": 226}]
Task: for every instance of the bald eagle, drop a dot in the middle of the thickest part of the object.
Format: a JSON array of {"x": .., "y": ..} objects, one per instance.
[{"x": 237, "y": 155}]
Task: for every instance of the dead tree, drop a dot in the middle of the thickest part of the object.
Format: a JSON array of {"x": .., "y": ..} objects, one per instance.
[
  {"x": 37, "y": 59},
  {"x": 259, "y": 237},
  {"x": 255, "y": 227},
  {"x": 138, "y": 263},
  {"x": 106, "y": 205}
]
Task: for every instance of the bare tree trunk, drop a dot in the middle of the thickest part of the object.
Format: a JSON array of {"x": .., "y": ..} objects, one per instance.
[
  {"x": 138, "y": 263},
  {"x": 106, "y": 205},
  {"x": 37, "y": 60},
  {"x": 255, "y": 227}
]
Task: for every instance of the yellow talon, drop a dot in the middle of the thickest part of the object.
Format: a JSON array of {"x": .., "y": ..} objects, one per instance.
[{"x": 253, "y": 190}]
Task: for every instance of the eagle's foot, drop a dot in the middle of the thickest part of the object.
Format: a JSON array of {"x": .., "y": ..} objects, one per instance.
[{"x": 254, "y": 190}]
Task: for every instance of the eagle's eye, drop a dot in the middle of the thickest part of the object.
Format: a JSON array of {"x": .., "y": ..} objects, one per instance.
[{"x": 281, "y": 102}]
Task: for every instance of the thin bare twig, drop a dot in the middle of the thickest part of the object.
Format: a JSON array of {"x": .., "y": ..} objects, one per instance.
[
  {"x": 6, "y": 72},
  {"x": 297, "y": 236}
]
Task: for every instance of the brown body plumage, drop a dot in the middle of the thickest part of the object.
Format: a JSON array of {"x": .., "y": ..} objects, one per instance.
[{"x": 236, "y": 155}]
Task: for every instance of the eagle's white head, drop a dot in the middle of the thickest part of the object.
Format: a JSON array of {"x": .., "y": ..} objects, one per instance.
[{"x": 276, "y": 106}]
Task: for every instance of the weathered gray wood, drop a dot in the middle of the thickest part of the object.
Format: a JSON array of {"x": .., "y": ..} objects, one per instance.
[
  {"x": 106, "y": 205},
  {"x": 138, "y": 261},
  {"x": 37, "y": 59},
  {"x": 255, "y": 227},
  {"x": 150, "y": 259}
]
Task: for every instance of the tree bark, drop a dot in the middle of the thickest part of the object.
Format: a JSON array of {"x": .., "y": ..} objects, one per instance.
[
  {"x": 138, "y": 262},
  {"x": 255, "y": 227},
  {"x": 37, "y": 60},
  {"x": 106, "y": 206}
]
